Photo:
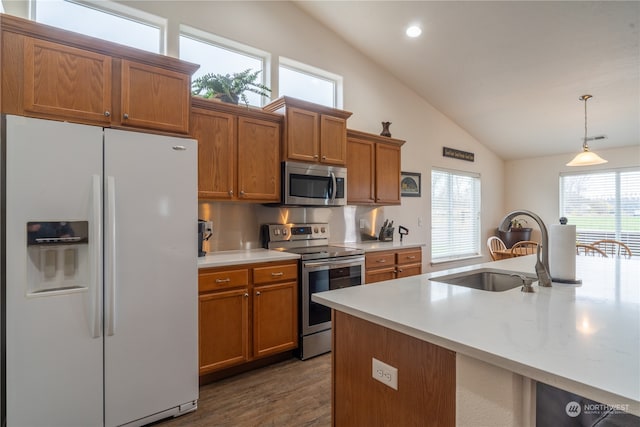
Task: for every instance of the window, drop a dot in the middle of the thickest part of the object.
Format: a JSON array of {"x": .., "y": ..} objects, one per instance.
[
  {"x": 311, "y": 84},
  {"x": 603, "y": 205},
  {"x": 455, "y": 215},
  {"x": 219, "y": 56},
  {"x": 105, "y": 20}
]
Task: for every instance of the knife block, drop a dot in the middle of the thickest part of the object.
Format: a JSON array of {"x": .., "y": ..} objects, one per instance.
[{"x": 386, "y": 234}]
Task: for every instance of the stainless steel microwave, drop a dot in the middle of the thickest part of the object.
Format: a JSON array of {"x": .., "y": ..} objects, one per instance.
[{"x": 306, "y": 184}]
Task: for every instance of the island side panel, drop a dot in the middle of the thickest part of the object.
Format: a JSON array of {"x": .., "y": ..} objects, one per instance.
[
  {"x": 426, "y": 377},
  {"x": 487, "y": 395}
]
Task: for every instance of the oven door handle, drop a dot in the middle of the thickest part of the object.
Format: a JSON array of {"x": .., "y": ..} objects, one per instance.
[{"x": 330, "y": 264}]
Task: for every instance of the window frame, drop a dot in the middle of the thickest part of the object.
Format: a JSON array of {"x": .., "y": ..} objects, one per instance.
[
  {"x": 477, "y": 250},
  {"x": 618, "y": 231},
  {"x": 120, "y": 11},
  {"x": 302, "y": 68},
  {"x": 232, "y": 46}
]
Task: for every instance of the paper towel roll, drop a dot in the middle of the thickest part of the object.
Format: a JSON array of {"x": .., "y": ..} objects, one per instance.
[{"x": 562, "y": 252}]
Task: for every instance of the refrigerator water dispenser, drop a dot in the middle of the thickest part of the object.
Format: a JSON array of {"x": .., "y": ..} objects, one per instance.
[{"x": 58, "y": 257}]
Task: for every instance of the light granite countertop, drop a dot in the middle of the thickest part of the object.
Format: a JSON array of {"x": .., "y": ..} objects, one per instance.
[
  {"x": 584, "y": 339},
  {"x": 249, "y": 256},
  {"x": 377, "y": 246}
]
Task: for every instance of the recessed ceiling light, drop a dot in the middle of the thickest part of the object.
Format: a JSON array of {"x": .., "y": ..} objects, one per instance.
[{"x": 414, "y": 31}]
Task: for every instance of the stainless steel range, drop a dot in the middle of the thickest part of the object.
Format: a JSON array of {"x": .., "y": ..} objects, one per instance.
[{"x": 323, "y": 267}]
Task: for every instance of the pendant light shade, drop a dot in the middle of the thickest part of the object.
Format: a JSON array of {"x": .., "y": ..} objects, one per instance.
[{"x": 586, "y": 157}]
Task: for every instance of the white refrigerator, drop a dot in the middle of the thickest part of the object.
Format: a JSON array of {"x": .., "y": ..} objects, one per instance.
[{"x": 99, "y": 275}]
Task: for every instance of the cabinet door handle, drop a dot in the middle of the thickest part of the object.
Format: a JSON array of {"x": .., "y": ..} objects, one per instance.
[
  {"x": 399, "y": 270},
  {"x": 125, "y": 115},
  {"x": 381, "y": 260},
  {"x": 315, "y": 156},
  {"x": 324, "y": 157},
  {"x": 411, "y": 257},
  {"x": 242, "y": 193},
  {"x": 246, "y": 295},
  {"x": 258, "y": 293},
  {"x": 223, "y": 280},
  {"x": 231, "y": 192},
  {"x": 277, "y": 274},
  {"x": 107, "y": 114}
]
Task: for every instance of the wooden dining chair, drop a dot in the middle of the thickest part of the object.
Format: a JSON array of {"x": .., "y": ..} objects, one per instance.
[
  {"x": 589, "y": 250},
  {"x": 495, "y": 244},
  {"x": 524, "y": 247},
  {"x": 613, "y": 248}
]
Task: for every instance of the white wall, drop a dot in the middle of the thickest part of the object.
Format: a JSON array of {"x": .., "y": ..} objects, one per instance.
[{"x": 372, "y": 94}]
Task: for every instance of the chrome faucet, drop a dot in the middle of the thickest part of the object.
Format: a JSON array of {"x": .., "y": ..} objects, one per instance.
[{"x": 542, "y": 257}]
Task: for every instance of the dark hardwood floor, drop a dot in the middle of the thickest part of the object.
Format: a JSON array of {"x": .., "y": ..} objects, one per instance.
[{"x": 289, "y": 393}]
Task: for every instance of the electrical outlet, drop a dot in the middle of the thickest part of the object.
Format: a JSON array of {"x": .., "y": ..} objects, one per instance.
[
  {"x": 363, "y": 223},
  {"x": 386, "y": 374}
]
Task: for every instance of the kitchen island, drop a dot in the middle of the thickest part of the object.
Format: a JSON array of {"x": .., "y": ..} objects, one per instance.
[{"x": 584, "y": 339}]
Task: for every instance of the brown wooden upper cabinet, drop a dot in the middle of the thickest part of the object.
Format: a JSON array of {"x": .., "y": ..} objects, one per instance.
[
  {"x": 373, "y": 165},
  {"x": 52, "y": 75},
  {"x": 238, "y": 152},
  {"x": 312, "y": 133},
  {"x": 60, "y": 75},
  {"x": 155, "y": 98}
]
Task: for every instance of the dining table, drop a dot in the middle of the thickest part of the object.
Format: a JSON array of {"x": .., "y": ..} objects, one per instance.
[{"x": 506, "y": 253}]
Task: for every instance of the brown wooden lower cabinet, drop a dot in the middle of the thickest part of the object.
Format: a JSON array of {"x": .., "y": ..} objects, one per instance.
[
  {"x": 224, "y": 329},
  {"x": 394, "y": 264},
  {"x": 246, "y": 313},
  {"x": 274, "y": 321},
  {"x": 426, "y": 393}
]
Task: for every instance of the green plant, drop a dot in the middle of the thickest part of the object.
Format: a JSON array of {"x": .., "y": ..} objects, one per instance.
[{"x": 229, "y": 88}]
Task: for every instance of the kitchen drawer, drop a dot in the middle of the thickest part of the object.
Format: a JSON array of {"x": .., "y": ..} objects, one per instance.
[
  {"x": 379, "y": 259},
  {"x": 408, "y": 270},
  {"x": 379, "y": 275},
  {"x": 214, "y": 280},
  {"x": 409, "y": 257},
  {"x": 277, "y": 273}
]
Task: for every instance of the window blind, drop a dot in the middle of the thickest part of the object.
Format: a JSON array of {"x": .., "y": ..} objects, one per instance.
[
  {"x": 603, "y": 205},
  {"x": 455, "y": 214}
]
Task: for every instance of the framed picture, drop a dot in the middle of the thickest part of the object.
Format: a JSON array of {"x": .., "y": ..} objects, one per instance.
[{"x": 410, "y": 185}]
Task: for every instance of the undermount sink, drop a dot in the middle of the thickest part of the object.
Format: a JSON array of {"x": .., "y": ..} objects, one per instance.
[{"x": 486, "y": 279}]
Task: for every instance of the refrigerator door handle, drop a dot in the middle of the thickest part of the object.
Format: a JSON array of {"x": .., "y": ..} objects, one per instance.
[
  {"x": 110, "y": 285},
  {"x": 96, "y": 211}
]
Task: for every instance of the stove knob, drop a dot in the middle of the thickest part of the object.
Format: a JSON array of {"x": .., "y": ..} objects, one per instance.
[
  {"x": 276, "y": 232},
  {"x": 284, "y": 232},
  {"x": 323, "y": 230},
  {"x": 315, "y": 230}
]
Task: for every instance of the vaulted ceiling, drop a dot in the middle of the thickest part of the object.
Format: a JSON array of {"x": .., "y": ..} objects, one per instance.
[{"x": 509, "y": 72}]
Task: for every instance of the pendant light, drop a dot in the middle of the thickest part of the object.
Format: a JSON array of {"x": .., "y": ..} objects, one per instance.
[{"x": 586, "y": 157}]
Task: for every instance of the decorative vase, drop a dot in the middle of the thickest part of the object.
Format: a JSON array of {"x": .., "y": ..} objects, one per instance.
[
  {"x": 514, "y": 236},
  {"x": 385, "y": 129},
  {"x": 226, "y": 98}
]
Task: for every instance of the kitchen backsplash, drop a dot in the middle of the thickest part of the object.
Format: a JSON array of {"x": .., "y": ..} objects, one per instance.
[{"x": 237, "y": 225}]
